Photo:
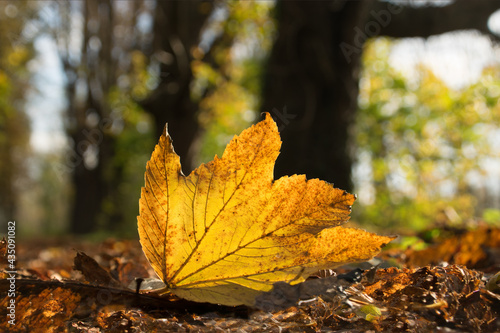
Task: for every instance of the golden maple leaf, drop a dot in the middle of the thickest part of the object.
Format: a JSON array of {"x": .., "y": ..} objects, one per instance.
[{"x": 228, "y": 231}]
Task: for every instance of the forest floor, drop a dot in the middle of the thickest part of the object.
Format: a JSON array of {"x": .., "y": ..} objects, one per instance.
[{"x": 447, "y": 284}]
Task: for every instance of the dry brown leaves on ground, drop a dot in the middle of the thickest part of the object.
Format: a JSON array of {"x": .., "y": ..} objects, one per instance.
[{"x": 53, "y": 296}]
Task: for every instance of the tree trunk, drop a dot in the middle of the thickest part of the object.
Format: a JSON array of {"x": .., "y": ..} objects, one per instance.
[
  {"x": 311, "y": 87},
  {"x": 94, "y": 177},
  {"x": 177, "y": 31}
]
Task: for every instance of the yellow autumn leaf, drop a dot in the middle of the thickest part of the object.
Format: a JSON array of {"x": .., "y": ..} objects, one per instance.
[{"x": 228, "y": 231}]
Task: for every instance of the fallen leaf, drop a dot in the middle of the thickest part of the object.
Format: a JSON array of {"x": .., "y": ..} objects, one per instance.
[
  {"x": 93, "y": 272},
  {"x": 229, "y": 231},
  {"x": 478, "y": 249}
]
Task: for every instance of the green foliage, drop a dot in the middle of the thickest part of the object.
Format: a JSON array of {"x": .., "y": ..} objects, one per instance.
[
  {"x": 227, "y": 80},
  {"x": 491, "y": 216},
  {"x": 419, "y": 144},
  {"x": 133, "y": 143}
]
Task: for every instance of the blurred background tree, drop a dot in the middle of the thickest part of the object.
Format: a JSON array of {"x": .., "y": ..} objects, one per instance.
[
  {"x": 208, "y": 67},
  {"x": 99, "y": 45}
]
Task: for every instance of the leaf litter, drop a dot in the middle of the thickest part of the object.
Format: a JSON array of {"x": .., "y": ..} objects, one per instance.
[{"x": 446, "y": 298}]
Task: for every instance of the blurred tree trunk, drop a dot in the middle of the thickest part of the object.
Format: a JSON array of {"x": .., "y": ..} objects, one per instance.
[
  {"x": 91, "y": 74},
  {"x": 177, "y": 31},
  {"x": 311, "y": 88},
  {"x": 89, "y": 122},
  {"x": 311, "y": 80}
]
